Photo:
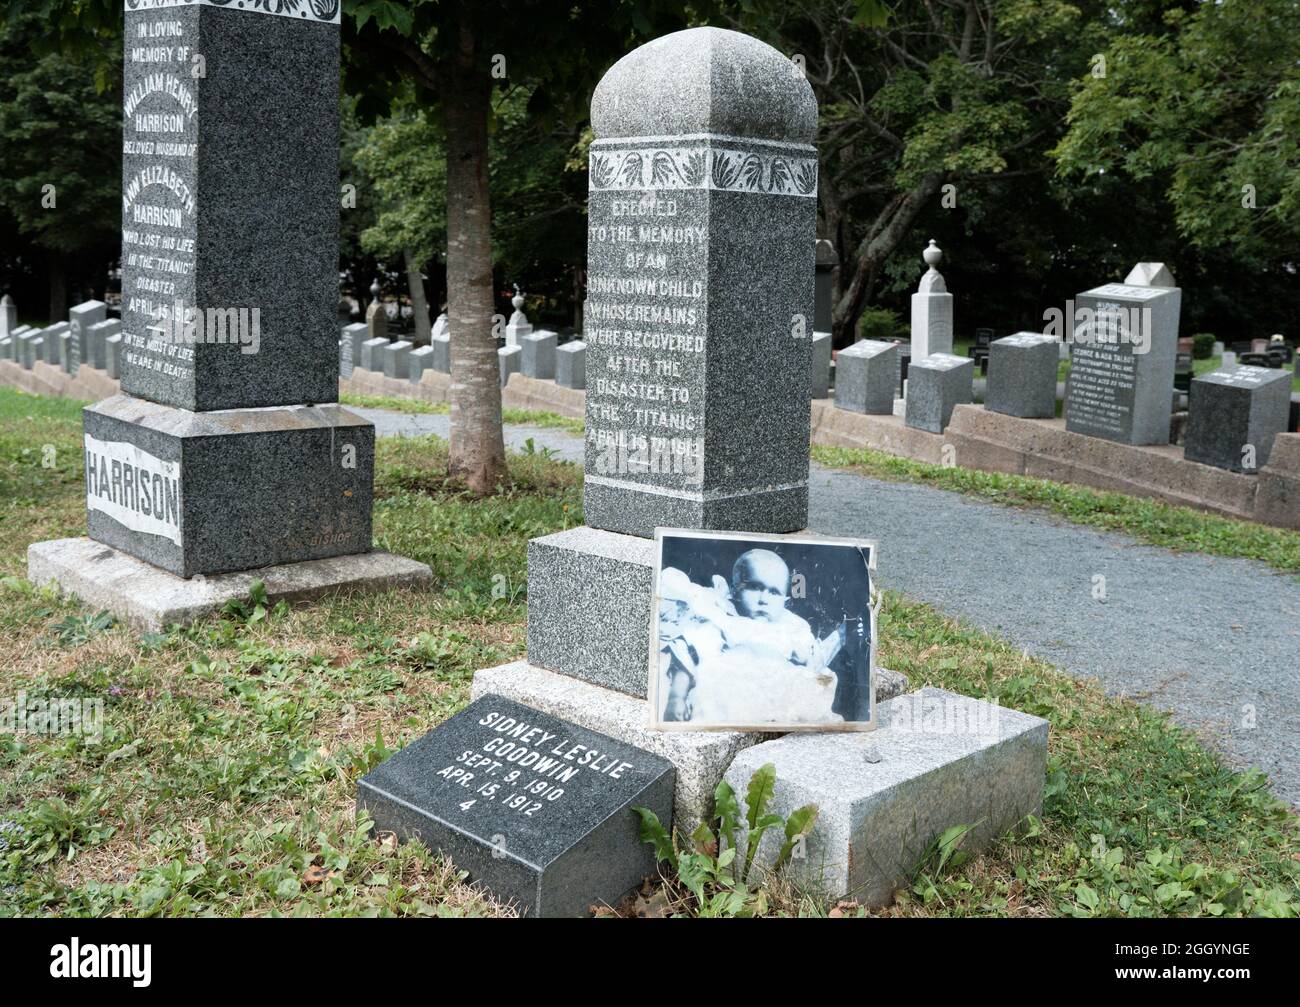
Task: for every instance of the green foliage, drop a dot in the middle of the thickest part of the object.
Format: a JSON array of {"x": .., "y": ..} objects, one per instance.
[
  {"x": 1203, "y": 346},
  {"x": 706, "y": 868},
  {"x": 74, "y": 630},
  {"x": 1209, "y": 103},
  {"x": 880, "y": 323}
]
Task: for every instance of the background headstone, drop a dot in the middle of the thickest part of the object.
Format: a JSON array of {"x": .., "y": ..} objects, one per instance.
[
  {"x": 820, "y": 380},
  {"x": 701, "y": 228},
  {"x": 53, "y": 337},
  {"x": 518, "y": 327},
  {"x": 508, "y": 357},
  {"x": 440, "y": 327},
  {"x": 8, "y": 315},
  {"x": 571, "y": 364},
  {"x": 538, "y": 360},
  {"x": 96, "y": 355},
  {"x": 420, "y": 360},
  {"x": 353, "y": 336},
  {"x": 30, "y": 348},
  {"x": 80, "y": 318},
  {"x": 441, "y": 360},
  {"x": 932, "y": 309},
  {"x": 1229, "y": 360},
  {"x": 372, "y": 353},
  {"x": 864, "y": 377},
  {"x": 935, "y": 386},
  {"x": 1022, "y": 375},
  {"x": 536, "y": 809},
  {"x": 1121, "y": 380},
  {"x": 1233, "y": 417},
  {"x": 113, "y": 355},
  {"x": 825, "y": 262},
  {"x": 376, "y": 316},
  {"x": 396, "y": 359}
]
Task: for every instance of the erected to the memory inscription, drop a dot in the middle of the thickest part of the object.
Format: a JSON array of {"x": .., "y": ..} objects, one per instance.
[
  {"x": 646, "y": 324},
  {"x": 159, "y": 148}
]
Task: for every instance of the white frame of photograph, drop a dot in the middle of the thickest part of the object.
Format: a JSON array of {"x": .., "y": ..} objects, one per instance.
[{"x": 654, "y": 693}]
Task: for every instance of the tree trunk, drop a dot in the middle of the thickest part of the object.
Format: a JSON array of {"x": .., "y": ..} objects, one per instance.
[
  {"x": 477, "y": 456},
  {"x": 419, "y": 303},
  {"x": 58, "y": 287}
]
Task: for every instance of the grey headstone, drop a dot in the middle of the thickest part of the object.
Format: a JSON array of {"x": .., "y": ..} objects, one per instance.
[
  {"x": 509, "y": 357},
  {"x": 53, "y": 337},
  {"x": 820, "y": 380},
  {"x": 113, "y": 355},
  {"x": 441, "y": 354},
  {"x": 6, "y": 348},
  {"x": 96, "y": 355},
  {"x": 825, "y": 263},
  {"x": 376, "y": 321},
  {"x": 230, "y": 203},
  {"x": 8, "y": 315},
  {"x": 538, "y": 360},
  {"x": 701, "y": 228},
  {"x": 205, "y": 492},
  {"x": 83, "y": 316},
  {"x": 1121, "y": 380},
  {"x": 1235, "y": 413},
  {"x": 571, "y": 364},
  {"x": 30, "y": 348},
  {"x": 935, "y": 386},
  {"x": 372, "y": 353},
  {"x": 1022, "y": 375},
  {"x": 353, "y": 336},
  {"x": 865, "y": 376},
  {"x": 396, "y": 359},
  {"x": 420, "y": 360},
  {"x": 558, "y": 837},
  {"x": 1229, "y": 360},
  {"x": 68, "y": 352}
]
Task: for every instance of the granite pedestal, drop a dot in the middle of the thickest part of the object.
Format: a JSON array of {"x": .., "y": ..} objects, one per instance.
[
  {"x": 937, "y": 760},
  {"x": 865, "y": 375},
  {"x": 935, "y": 386},
  {"x": 1235, "y": 415},
  {"x": 1022, "y": 375}
]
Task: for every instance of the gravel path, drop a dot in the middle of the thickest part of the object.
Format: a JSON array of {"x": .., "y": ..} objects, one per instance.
[{"x": 1216, "y": 642}]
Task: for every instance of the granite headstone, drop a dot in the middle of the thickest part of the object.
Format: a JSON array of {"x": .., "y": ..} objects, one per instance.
[
  {"x": 1234, "y": 415},
  {"x": 1022, "y": 375},
  {"x": 820, "y": 380},
  {"x": 571, "y": 365},
  {"x": 96, "y": 355},
  {"x": 8, "y": 316},
  {"x": 538, "y": 360},
  {"x": 700, "y": 250},
  {"x": 936, "y": 386},
  {"x": 82, "y": 316},
  {"x": 509, "y": 357},
  {"x": 372, "y": 353},
  {"x": 419, "y": 361},
  {"x": 1125, "y": 342},
  {"x": 397, "y": 359},
  {"x": 536, "y": 809},
  {"x": 864, "y": 377}
]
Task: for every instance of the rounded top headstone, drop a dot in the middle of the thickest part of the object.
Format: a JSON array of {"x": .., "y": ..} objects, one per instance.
[
  {"x": 705, "y": 80},
  {"x": 6, "y": 300}
]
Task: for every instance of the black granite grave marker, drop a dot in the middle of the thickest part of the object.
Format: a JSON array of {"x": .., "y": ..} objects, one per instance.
[{"x": 536, "y": 809}]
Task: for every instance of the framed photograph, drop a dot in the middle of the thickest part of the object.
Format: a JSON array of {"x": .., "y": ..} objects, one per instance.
[{"x": 762, "y": 633}]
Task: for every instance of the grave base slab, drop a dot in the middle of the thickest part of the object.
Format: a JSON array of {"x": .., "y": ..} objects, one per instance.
[
  {"x": 937, "y": 760},
  {"x": 150, "y": 599}
]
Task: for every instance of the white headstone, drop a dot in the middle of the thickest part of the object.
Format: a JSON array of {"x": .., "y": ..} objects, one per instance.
[
  {"x": 518, "y": 326},
  {"x": 8, "y": 315},
  {"x": 932, "y": 310},
  {"x": 1150, "y": 274}
]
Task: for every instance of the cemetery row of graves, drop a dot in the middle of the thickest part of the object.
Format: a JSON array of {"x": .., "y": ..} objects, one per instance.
[{"x": 269, "y": 663}]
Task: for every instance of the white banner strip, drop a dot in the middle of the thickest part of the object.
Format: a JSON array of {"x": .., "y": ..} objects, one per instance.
[{"x": 135, "y": 489}]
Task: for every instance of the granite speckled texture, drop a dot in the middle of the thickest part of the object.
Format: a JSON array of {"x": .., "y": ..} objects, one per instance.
[
  {"x": 571, "y": 365},
  {"x": 865, "y": 377},
  {"x": 257, "y": 197},
  {"x": 149, "y": 599},
  {"x": 538, "y": 360},
  {"x": 80, "y": 318},
  {"x": 938, "y": 760},
  {"x": 573, "y": 845},
  {"x": 372, "y": 354},
  {"x": 1121, "y": 388},
  {"x": 354, "y": 334},
  {"x": 701, "y": 243},
  {"x": 700, "y": 757},
  {"x": 238, "y": 488},
  {"x": 1230, "y": 409},
  {"x": 1022, "y": 375},
  {"x": 935, "y": 386}
]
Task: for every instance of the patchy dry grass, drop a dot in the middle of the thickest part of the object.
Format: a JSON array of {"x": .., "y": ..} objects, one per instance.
[{"x": 224, "y": 779}]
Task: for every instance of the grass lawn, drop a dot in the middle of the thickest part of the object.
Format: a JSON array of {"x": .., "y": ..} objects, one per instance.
[{"x": 224, "y": 779}]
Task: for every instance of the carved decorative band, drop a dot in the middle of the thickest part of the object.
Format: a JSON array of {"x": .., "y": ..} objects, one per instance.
[
  {"x": 326, "y": 11},
  {"x": 667, "y": 167}
]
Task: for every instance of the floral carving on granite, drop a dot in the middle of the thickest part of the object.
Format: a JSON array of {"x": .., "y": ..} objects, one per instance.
[{"x": 703, "y": 168}]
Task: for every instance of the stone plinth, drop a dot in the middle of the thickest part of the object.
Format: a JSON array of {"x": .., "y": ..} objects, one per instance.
[
  {"x": 1022, "y": 375},
  {"x": 538, "y": 359},
  {"x": 1235, "y": 415},
  {"x": 935, "y": 386},
  {"x": 865, "y": 375}
]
